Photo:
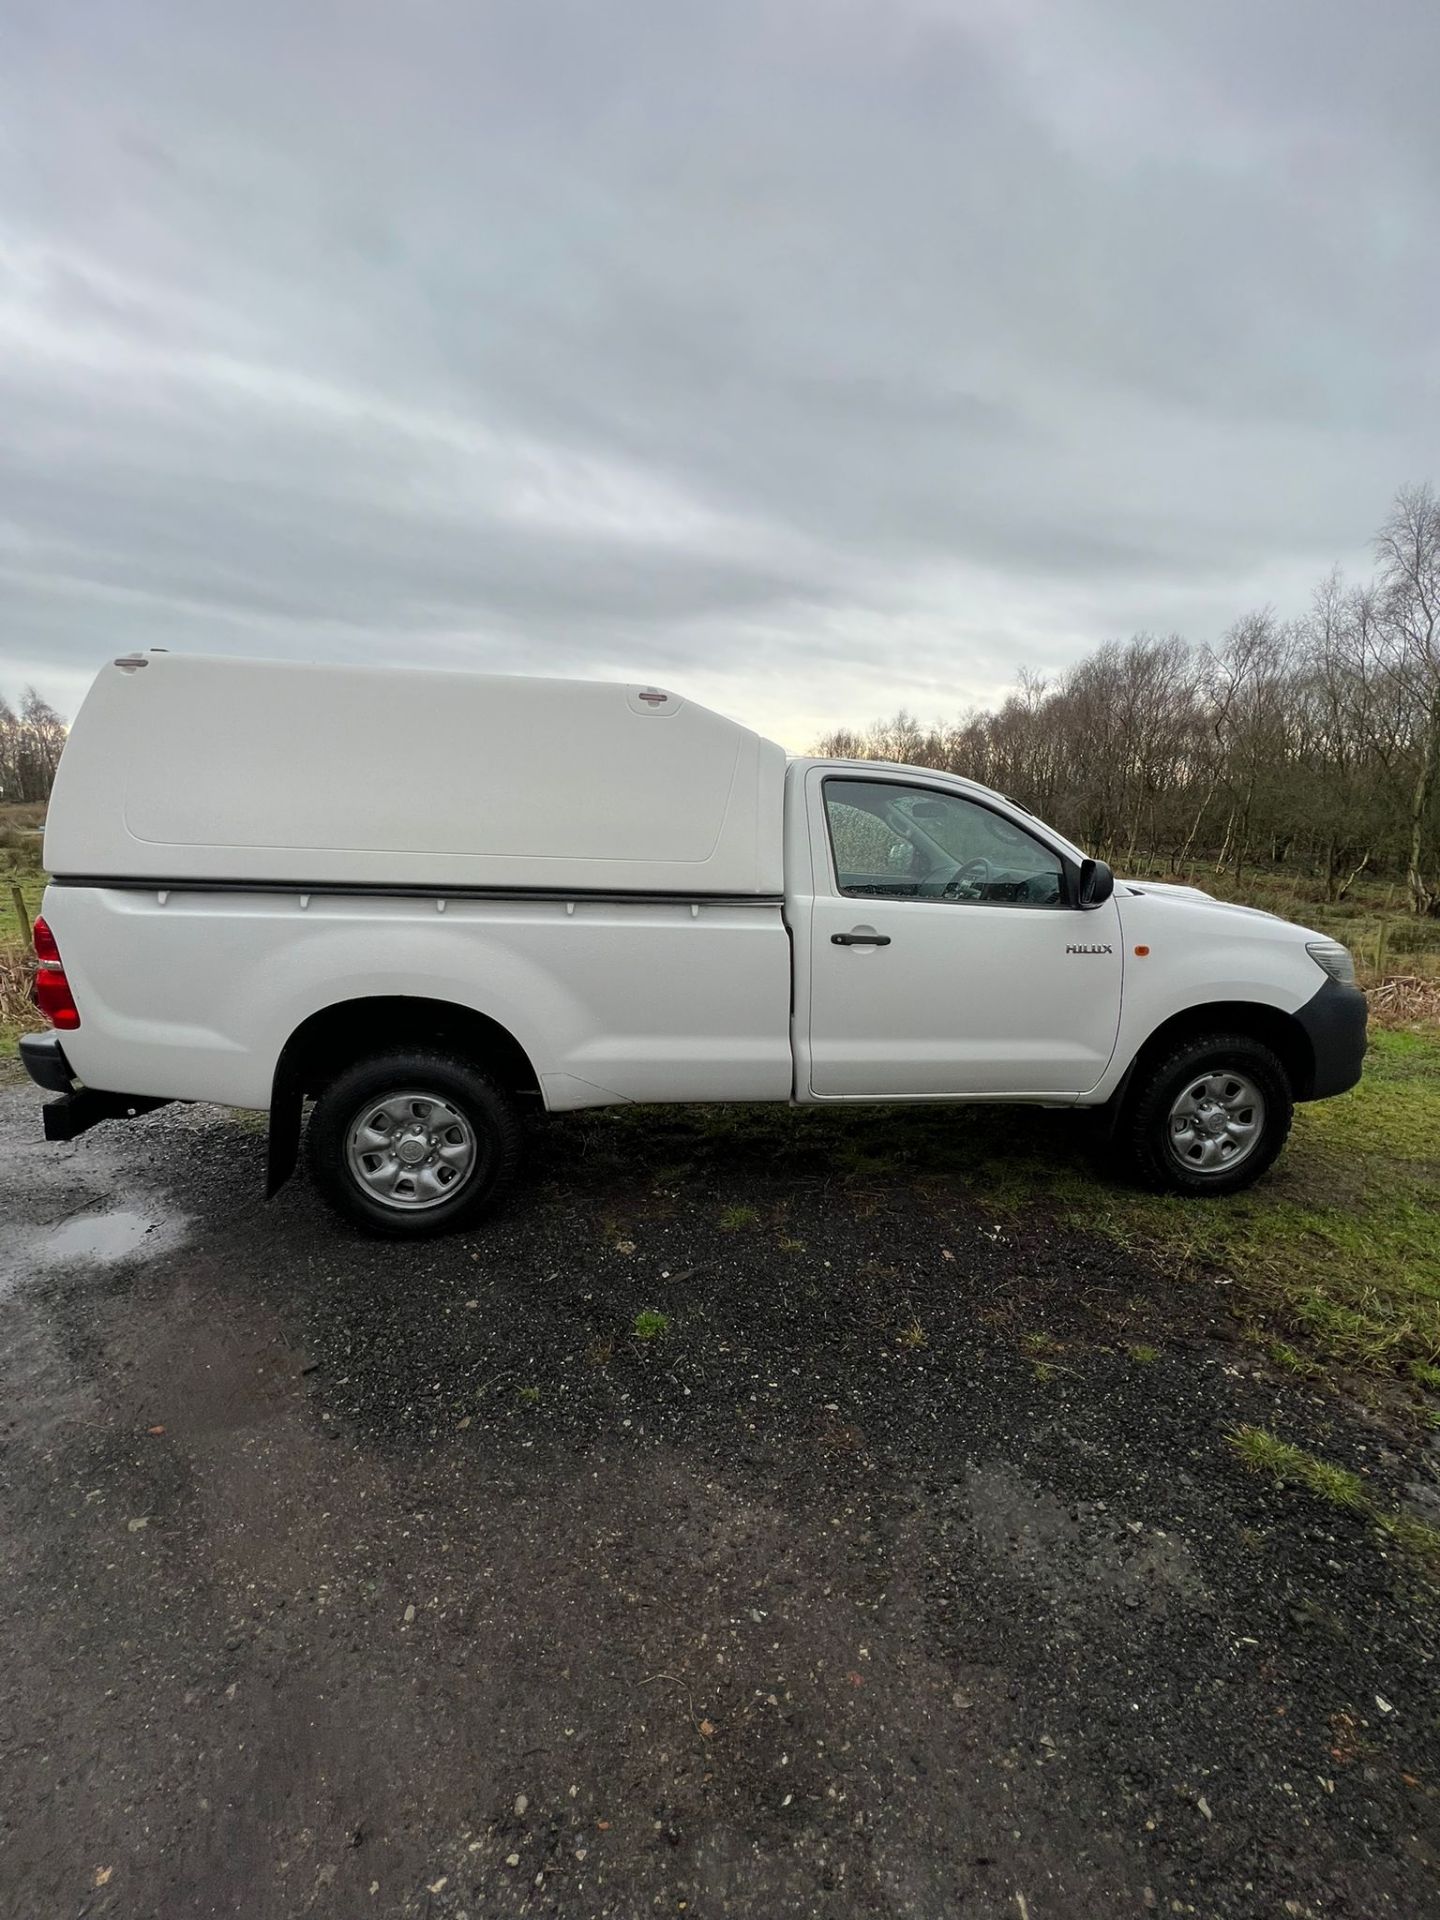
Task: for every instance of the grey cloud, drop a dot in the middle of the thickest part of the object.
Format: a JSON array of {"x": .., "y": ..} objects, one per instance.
[{"x": 828, "y": 349}]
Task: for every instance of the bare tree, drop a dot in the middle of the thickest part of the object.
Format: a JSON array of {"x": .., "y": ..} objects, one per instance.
[
  {"x": 30, "y": 743},
  {"x": 1312, "y": 742},
  {"x": 1408, "y": 550}
]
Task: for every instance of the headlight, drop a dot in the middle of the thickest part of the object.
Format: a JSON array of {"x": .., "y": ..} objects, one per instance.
[{"x": 1333, "y": 959}]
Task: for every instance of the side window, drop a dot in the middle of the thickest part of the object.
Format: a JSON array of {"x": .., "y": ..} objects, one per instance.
[{"x": 916, "y": 843}]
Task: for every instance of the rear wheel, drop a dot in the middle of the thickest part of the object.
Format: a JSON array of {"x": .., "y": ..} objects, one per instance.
[
  {"x": 1209, "y": 1117},
  {"x": 413, "y": 1143}
]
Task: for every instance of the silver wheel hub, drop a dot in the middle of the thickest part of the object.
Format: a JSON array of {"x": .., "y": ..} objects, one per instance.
[
  {"x": 1216, "y": 1121},
  {"x": 411, "y": 1149}
]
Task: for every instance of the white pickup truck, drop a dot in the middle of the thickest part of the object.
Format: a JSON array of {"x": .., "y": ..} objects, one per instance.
[{"x": 427, "y": 899}]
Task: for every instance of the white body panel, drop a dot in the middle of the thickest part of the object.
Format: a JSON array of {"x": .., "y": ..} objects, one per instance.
[
  {"x": 600, "y": 870},
  {"x": 612, "y": 1001},
  {"x": 968, "y": 999},
  {"x": 191, "y": 768},
  {"x": 1201, "y": 952}
]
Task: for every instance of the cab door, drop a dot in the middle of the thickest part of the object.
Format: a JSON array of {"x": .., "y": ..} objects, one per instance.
[{"x": 946, "y": 957}]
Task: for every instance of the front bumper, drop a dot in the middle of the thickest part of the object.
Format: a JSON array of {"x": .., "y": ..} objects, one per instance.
[
  {"x": 78, "y": 1107},
  {"x": 1333, "y": 1021}
]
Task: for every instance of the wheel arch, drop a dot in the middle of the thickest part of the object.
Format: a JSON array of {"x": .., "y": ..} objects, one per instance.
[
  {"x": 332, "y": 1037},
  {"x": 1270, "y": 1025}
]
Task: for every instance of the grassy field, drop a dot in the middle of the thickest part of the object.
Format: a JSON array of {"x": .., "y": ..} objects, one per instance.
[
  {"x": 1334, "y": 1260},
  {"x": 19, "y": 866},
  {"x": 31, "y": 885}
]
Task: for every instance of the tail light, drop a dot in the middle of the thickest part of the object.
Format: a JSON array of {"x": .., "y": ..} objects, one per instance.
[{"x": 52, "y": 990}]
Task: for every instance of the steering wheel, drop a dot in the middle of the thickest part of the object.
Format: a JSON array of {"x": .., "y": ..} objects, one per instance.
[{"x": 968, "y": 881}]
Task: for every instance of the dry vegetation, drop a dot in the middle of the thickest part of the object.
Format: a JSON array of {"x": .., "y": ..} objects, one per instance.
[
  {"x": 1405, "y": 1000},
  {"x": 20, "y": 827},
  {"x": 16, "y": 1011}
]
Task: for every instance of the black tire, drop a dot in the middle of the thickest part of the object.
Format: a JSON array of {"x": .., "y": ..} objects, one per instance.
[
  {"x": 1147, "y": 1122},
  {"x": 454, "y": 1088}
]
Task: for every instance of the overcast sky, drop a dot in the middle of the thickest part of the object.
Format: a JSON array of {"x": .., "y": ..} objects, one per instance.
[{"x": 808, "y": 356}]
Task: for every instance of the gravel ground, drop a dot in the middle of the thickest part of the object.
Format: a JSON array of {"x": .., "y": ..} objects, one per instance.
[{"x": 891, "y": 1578}]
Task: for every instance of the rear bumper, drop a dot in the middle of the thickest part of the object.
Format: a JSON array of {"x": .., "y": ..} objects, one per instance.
[
  {"x": 44, "y": 1060},
  {"x": 78, "y": 1107},
  {"x": 1334, "y": 1023}
]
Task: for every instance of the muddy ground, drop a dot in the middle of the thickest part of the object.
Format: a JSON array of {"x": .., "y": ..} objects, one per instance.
[{"x": 894, "y": 1577}]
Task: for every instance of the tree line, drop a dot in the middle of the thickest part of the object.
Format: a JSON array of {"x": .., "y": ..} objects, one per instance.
[
  {"x": 1312, "y": 741},
  {"x": 31, "y": 736}
]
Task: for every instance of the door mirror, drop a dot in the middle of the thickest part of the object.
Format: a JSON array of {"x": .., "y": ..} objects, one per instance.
[{"x": 1097, "y": 883}]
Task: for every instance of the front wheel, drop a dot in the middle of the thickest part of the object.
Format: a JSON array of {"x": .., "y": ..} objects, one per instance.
[
  {"x": 1208, "y": 1117},
  {"x": 413, "y": 1144}
]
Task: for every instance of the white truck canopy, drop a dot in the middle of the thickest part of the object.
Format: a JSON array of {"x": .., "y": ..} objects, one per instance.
[{"x": 186, "y": 768}]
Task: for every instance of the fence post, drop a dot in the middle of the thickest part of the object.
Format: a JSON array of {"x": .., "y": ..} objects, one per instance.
[{"x": 20, "y": 911}]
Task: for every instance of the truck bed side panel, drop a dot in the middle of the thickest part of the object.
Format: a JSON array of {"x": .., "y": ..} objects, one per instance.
[{"x": 611, "y": 1000}]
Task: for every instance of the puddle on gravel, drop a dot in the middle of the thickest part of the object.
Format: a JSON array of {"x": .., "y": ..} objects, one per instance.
[{"x": 104, "y": 1238}]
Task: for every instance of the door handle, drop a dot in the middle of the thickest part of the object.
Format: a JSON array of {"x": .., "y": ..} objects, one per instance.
[{"x": 859, "y": 939}]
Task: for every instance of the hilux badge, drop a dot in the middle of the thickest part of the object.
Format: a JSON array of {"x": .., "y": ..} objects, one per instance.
[{"x": 1089, "y": 949}]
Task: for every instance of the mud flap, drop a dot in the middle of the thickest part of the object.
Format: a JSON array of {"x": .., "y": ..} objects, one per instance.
[{"x": 284, "y": 1145}]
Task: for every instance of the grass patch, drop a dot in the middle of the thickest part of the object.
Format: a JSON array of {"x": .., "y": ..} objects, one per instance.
[
  {"x": 1039, "y": 1342},
  {"x": 1143, "y": 1356},
  {"x": 1289, "y": 1359},
  {"x": 1341, "y": 1243},
  {"x": 666, "y": 1179},
  {"x": 1414, "y": 1536},
  {"x": 732, "y": 1219},
  {"x": 650, "y": 1324},
  {"x": 1265, "y": 1452}
]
